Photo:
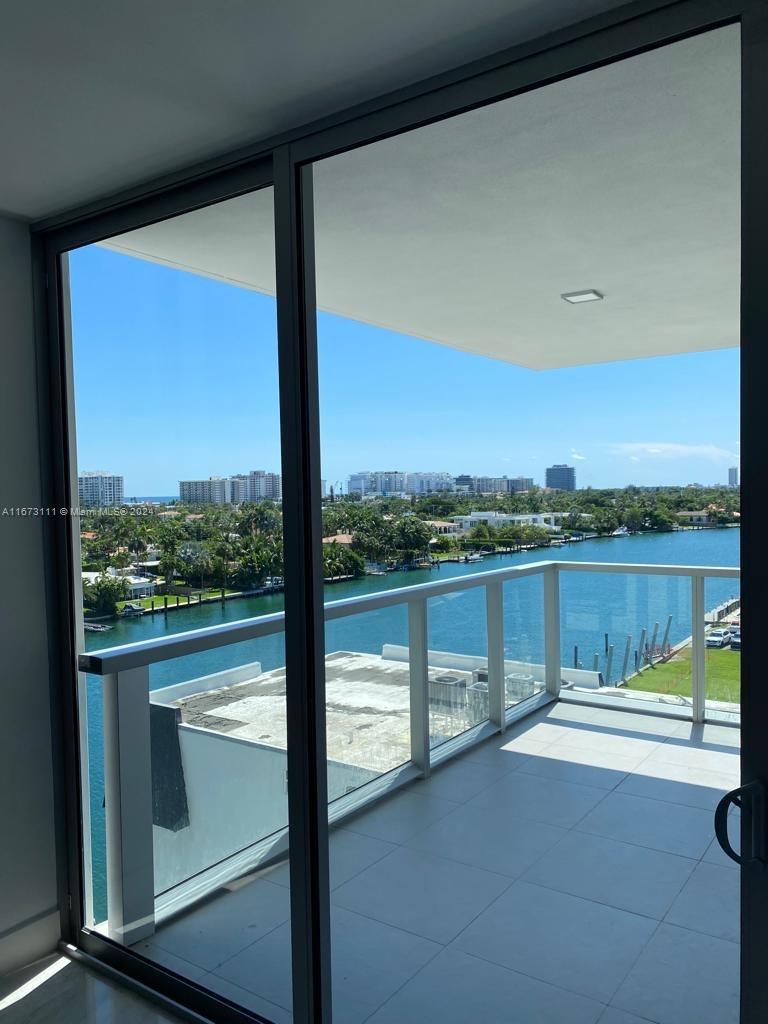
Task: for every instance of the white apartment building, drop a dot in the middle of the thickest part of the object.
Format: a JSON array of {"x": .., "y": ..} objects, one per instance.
[
  {"x": 99, "y": 489},
  {"x": 213, "y": 491},
  {"x": 427, "y": 483},
  {"x": 390, "y": 481},
  {"x": 360, "y": 483},
  {"x": 238, "y": 488},
  {"x": 255, "y": 486},
  {"x": 502, "y": 484},
  {"x": 264, "y": 485},
  {"x": 381, "y": 482}
]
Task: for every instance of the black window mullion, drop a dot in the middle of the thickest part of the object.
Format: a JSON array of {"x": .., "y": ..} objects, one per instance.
[{"x": 304, "y": 619}]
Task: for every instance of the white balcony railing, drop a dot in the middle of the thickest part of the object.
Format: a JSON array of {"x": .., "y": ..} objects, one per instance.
[{"x": 132, "y": 902}]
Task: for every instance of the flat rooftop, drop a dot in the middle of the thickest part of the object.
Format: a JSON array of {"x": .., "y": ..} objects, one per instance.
[{"x": 367, "y": 709}]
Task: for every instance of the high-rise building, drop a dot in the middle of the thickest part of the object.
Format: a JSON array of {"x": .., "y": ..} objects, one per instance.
[
  {"x": 99, "y": 489},
  {"x": 427, "y": 483},
  {"x": 213, "y": 491},
  {"x": 382, "y": 482},
  {"x": 360, "y": 483},
  {"x": 254, "y": 486},
  {"x": 490, "y": 484},
  {"x": 733, "y": 476},
  {"x": 238, "y": 488},
  {"x": 464, "y": 482},
  {"x": 561, "y": 478},
  {"x": 389, "y": 481},
  {"x": 517, "y": 484},
  {"x": 264, "y": 485}
]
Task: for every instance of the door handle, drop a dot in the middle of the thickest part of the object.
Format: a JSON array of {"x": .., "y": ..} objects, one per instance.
[{"x": 751, "y": 800}]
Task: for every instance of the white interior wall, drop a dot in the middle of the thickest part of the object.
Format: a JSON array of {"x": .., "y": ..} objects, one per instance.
[{"x": 29, "y": 918}]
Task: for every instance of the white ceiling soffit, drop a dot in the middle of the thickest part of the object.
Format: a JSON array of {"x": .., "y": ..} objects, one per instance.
[
  {"x": 467, "y": 232},
  {"x": 99, "y": 96}
]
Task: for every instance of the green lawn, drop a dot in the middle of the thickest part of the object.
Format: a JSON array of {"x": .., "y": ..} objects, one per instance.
[
  {"x": 723, "y": 674},
  {"x": 146, "y": 602}
]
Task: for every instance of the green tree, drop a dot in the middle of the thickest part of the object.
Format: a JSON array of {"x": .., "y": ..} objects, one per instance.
[{"x": 101, "y": 596}]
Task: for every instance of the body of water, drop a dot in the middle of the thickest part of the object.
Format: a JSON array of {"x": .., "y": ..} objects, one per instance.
[{"x": 595, "y": 608}]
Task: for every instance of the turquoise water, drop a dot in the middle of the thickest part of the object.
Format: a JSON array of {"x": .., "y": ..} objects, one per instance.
[{"x": 592, "y": 605}]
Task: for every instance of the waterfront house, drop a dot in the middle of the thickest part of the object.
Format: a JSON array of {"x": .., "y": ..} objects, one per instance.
[
  {"x": 443, "y": 528},
  {"x": 701, "y": 518},
  {"x": 136, "y": 586}
]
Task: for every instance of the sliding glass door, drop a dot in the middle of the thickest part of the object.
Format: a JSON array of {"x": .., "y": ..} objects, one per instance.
[
  {"x": 405, "y": 553},
  {"x": 178, "y": 538}
]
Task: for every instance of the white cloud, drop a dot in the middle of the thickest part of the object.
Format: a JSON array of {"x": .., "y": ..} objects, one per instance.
[
  {"x": 635, "y": 450},
  {"x": 578, "y": 456}
]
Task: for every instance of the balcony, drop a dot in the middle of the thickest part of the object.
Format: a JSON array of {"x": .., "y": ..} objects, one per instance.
[{"x": 511, "y": 839}]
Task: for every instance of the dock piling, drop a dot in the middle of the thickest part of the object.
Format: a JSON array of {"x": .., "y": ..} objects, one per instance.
[
  {"x": 653, "y": 643},
  {"x": 625, "y": 665}
]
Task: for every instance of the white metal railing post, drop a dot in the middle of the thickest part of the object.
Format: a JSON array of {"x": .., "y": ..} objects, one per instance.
[
  {"x": 552, "y": 657},
  {"x": 419, "y": 683},
  {"x": 698, "y": 647},
  {"x": 494, "y": 605},
  {"x": 128, "y": 806}
]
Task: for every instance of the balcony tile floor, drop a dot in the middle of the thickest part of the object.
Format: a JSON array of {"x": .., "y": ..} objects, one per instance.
[{"x": 563, "y": 872}]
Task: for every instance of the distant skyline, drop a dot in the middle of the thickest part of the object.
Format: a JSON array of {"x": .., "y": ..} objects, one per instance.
[{"x": 176, "y": 378}]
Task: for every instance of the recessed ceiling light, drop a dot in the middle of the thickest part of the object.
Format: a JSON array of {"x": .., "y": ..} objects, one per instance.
[{"x": 589, "y": 296}]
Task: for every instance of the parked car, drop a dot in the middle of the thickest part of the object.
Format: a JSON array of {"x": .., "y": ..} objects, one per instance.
[
  {"x": 718, "y": 638},
  {"x": 736, "y": 639}
]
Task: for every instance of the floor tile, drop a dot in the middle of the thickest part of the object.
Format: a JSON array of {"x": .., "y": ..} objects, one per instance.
[
  {"x": 709, "y": 903},
  {"x": 642, "y": 726},
  {"x": 421, "y": 893},
  {"x": 576, "y": 944},
  {"x": 462, "y": 778},
  {"x": 250, "y": 1000},
  {"x": 457, "y": 989},
  {"x": 370, "y": 962},
  {"x": 536, "y": 799},
  {"x": 613, "y": 1015},
  {"x": 400, "y": 816},
  {"x": 721, "y": 759},
  {"x": 349, "y": 853},
  {"x": 163, "y": 958},
  {"x": 611, "y": 740},
  {"x": 708, "y": 735},
  {"x": 585, "y": 767},
  {"x": 508, "y": 755},
  {"x": 671, "y": 828},
  {"x": 563, "y": 710},
  {"x": 225, "y": 924},
  {"x": 715, "y": 854},
  {"x": 621, "y": 875},
  {"x": 679, "y": 784},
  {"x": 683, "y": 977},
  {"x": 488, "y": 838}
]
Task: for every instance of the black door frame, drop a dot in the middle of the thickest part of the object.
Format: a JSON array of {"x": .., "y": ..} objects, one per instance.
[{"x": 285, "y": 163}]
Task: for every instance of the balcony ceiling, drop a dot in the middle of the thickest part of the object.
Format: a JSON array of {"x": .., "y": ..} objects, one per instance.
[
  {"x": 100, "y": 96},
  {"x": 625, "y": 180}
]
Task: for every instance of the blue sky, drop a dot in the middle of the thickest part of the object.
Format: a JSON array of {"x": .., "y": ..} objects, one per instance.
[{"x": 176, "y": 377}]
